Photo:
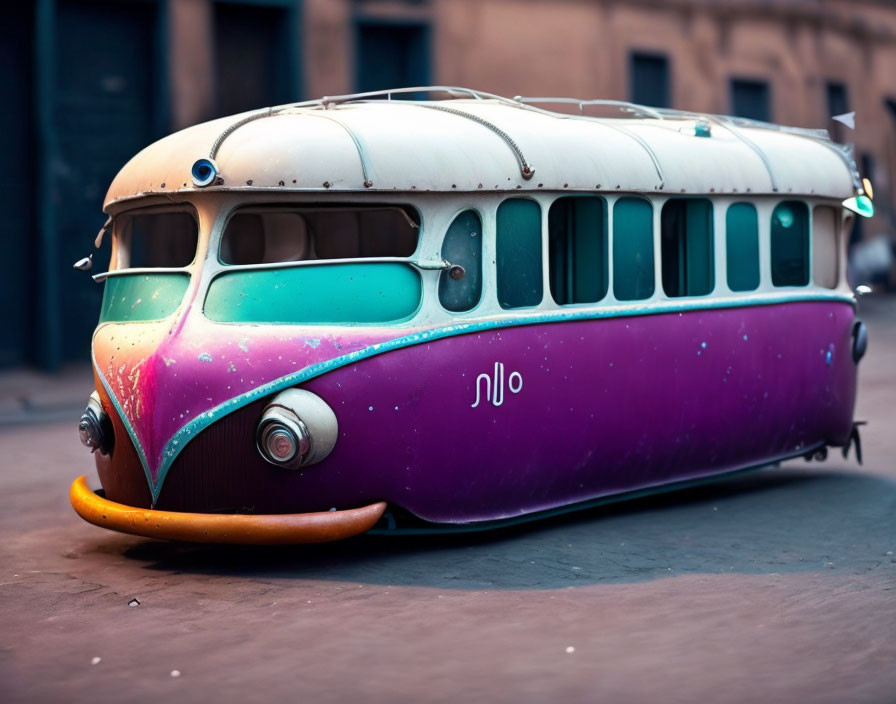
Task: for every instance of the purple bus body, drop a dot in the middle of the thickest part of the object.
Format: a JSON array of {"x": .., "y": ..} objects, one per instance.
[{"x": 502, "y": 422}]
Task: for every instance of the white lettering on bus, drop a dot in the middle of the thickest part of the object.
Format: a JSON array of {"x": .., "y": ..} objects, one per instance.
[{"x": 514, "y": 384}]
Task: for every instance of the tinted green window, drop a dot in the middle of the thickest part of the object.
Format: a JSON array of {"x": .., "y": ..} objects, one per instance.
[
  {"x": 790, "y": 244},
  {"x": 518, "y": 245},
  {"x": 742, "y": 247},
  {"x": 633, "y": 277},
  {"x": 135, "y": 297},
  {"x": 577, "y": 244},
  {"x": 463, "y": 247},
  {"x": 326, "y": 293},
  {"x": 687, "y": 247}
]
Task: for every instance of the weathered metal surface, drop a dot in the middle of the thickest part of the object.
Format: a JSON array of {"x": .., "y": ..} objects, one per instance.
[
  {"x": 396, "y": 145},
  {"x": 630, "y": 401}
]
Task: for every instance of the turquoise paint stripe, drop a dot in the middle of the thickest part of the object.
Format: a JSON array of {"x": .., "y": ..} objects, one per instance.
[{"x": 179, "y": 440}]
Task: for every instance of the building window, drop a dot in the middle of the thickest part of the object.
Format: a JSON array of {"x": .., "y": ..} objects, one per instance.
[
  {"x": 751, "y": 99},
  {"x": 633, "y": 277},
  {"x": 790, "y": 244},
  {"x": 391, "y": 54},
  {"x": 650, "y": 80},
  {"x": 687, "y": 247},
  {"x": 462, "y": 247},
  {"x": 253, "y": 59},
  {"x": 825, "y": 247},
  {"x": 518, "y": 253},
  {"x": 742, "y": 247},
  {"x": 577, "y": 244},
  {"x": 838, "y": 104}
]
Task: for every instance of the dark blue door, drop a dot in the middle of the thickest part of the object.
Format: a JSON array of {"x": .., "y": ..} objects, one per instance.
[
  {"x": 391, "y": 55},
  {"x": 102, "y": 112},
  {"x": 17, "y": 227},
  {"x": 254, "y": 67}
]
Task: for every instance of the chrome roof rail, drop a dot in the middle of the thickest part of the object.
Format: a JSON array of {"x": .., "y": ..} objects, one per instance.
[
  {"x": 362, "y": 155},
  {"x": 454, "y": 91},
  {"x": 526, "y": 169},
  {"x": 634, "y": 108}
]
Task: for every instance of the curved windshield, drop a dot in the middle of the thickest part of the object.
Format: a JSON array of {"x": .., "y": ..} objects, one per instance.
[{"x": 155, "y": 238}]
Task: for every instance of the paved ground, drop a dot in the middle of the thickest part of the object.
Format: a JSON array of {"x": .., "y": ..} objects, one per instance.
[{"x": 776, "y": 586}]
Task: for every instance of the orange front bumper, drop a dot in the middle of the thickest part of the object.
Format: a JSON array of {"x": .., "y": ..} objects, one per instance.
[{"x": 235, "y": 529}]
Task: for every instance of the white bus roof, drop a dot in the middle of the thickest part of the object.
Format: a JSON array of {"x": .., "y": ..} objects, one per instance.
[{"x": 486, "y": 143}]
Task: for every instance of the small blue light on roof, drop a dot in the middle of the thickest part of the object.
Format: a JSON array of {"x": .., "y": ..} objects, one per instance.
[{"x": 204, "y": 172}]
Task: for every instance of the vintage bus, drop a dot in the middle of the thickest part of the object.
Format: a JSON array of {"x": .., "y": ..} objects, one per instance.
[{"x": 460, "y": 310}]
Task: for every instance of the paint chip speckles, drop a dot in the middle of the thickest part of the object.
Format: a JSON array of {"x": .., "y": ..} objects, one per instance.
[
  {"x": 205, "y": 357},
  {"x": 243, "y": 344},
  {"x": 313, "y": 343}
]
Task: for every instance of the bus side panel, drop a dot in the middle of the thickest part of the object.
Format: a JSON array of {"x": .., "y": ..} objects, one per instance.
[{"x": 503, "y": 422}]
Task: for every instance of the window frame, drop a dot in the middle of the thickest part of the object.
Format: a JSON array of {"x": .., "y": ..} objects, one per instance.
[
  {"x": 654, "y": 240},
  {"x": 542, "y": 212},
  {"x": 121, "y": 249},
  {"x": 836, "y": 248},
  {"x": 288, "y": 207},
  {"x": 710, "y": 240},
  {"x": 483, "y": 272},
  {"x": 759, "y": 246},
  {"x": 807, "y": 244},
  {"x": 604, "y": 245}
]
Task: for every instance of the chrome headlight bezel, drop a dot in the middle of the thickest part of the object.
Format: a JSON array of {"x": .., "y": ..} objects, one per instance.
[
  {"x": 95, "y": 426},
  {"x": 301, "y": 419}
]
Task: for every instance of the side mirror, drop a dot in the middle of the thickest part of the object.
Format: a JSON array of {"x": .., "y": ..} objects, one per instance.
[{"x": 85, "y": 264}]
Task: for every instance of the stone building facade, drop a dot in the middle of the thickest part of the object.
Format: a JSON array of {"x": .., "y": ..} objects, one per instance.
[{"x": 95, "y": 80}]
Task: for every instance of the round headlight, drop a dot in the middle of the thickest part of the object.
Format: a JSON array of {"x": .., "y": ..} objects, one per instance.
[
  {"x": 94, "y": 427},
  {"x": 283, "y": 438},
  {"x": 297, "y": 428}
]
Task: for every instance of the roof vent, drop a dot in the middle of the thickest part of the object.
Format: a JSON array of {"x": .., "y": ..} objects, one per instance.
[{"x": 702, "y": 129}]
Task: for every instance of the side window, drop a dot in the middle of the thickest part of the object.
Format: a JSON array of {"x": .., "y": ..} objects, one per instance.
[
  {"x": 686, "y": 244},
  {"x": 518, "y": 250},
  {"x": 790, "y": 244},
  {"x": 462, "y": 246},
  {"x": 742, "y": 247},
  {"x": 156, "y": 239},
  {"x": 577, "y": 245},
  {"x": 300, "y": 233},
  {"x": 825, "y": 249},
  {"x": 633, "y": 278}
]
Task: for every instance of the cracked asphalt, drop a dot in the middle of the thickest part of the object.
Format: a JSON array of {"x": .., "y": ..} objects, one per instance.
[{"x": 778, "y": 585}]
